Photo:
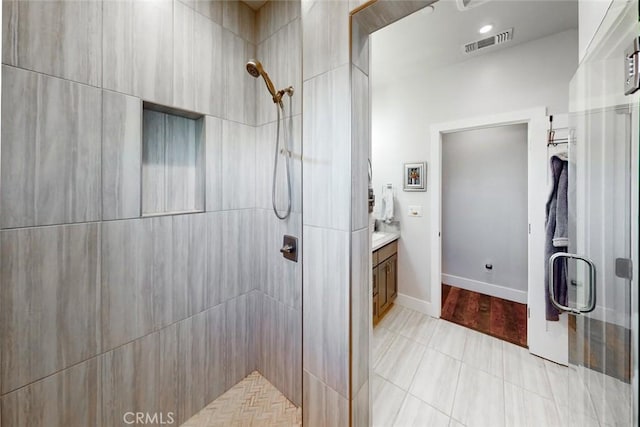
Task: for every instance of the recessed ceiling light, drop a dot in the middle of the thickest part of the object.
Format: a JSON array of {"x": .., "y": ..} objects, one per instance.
[{"x": 485, "y": 29}]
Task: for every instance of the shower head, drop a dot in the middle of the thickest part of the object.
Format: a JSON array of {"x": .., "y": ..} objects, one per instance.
[{"x": 254, "y": 67}]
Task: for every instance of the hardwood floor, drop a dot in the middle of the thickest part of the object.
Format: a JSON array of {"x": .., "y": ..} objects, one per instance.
[{"x": 497, "y": 317}]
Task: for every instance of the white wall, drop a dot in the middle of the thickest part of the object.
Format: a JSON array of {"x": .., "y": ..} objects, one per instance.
[
  {"x": 590, "y": 15},
  {"x": 528, "y": 75},
  {"x": 484, "y": 210}
]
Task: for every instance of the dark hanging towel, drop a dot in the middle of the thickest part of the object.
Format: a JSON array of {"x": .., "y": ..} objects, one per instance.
[{"x": 556, "y": 238}]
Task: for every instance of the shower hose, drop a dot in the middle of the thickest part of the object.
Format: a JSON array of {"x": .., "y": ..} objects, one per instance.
[{"x": 287, "y": 155}]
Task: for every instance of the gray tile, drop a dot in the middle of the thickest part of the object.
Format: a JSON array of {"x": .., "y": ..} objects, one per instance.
[
  {"x": 165, "y": 271},
  {"x": 323, "y": 406},
  {"x": 325, "y": 36},
  {"x": 569, "y": 389},
  {"x": 154, "y": 162},
  {"x": 525, "y": 408},
  {"x": 360, "y": 142},
  {"x": 396, "y": 318},
  {"x": 382, "y": 338},
  {"x": 484, "y": 352},
  {"x": 127, "y": 287},
  {"x": 281, "y": 56},
  {"x": 326, "y": 306},
  {"x": 238, "y": 234},
  {"x": 612, "y": 398},
  {"x": 141, "y": 377},
  {"x": 165, "y": 306},
  {"x": 238, "y": 165},
  {"x": 237, "y": 360},
  {"x": 208, "y": 71},
  {"x": 50, "y": 172},
  {"x": 184, "y": 165},
  {"x": 49, "y": 301},
  {"x": 216, "y": 364},
  {"x": 525, "y": 370},
  {"x": 255, "y": 329},
  {"x": 191, "y": 357},
  {"x": 10, "y": 32},
  {"x": 359, "y": 46},
  {"x": 400, "y": 362},
  {"x": 387, "y": 400},
  {"x": 274, "y": 15},
  {"x": 211, "y": 9},
  {"x": 361, "y": 407},
  {"x": 213, "y": 168},
  {"x": 327, "y": 151},
  {"x": 265, "y": 147},
  {"x": 238, "y": 87},
  {"x": 152, "y": 60},
  {"x": 361, "y": 309},
  {"x": 185, "y": 295},
  {"x": 121, "y": 155},
  {"x": 58, "y": 38},
  {"x": 184, "y": 70},
  {"x": 67, "y": 398},
  {"x": 240, "y": 19},
  {"x": 436, "y": 379},
  {"x": 281, "y": 343},
  {"x": 216, "y": 291},
  {"x": 480, "y": 409},
  {"x": 415, "y": 412},
  {"x": 136, "y": 58},
  {"x": 449, "y": 339},
  {"x": 419, "y": 327},
  {"x": 279, "y": 278},
  {"x": 172, "y": 163}
]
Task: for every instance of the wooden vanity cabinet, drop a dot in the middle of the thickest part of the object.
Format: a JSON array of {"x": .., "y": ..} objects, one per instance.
[{"x": 385, "y": 279}]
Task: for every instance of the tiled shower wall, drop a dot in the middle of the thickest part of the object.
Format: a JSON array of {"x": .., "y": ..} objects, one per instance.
[
  {"x": 279, "y": 48},
  {"x": 103, "y": 311}
]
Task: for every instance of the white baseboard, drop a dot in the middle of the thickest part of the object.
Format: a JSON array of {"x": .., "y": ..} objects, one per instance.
[
  {"x": 416, "y": 304},
  {"x": 485, "y": 288}
]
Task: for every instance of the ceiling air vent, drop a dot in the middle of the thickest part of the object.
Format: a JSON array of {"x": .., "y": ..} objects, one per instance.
[{"x": 501, "y": 37}]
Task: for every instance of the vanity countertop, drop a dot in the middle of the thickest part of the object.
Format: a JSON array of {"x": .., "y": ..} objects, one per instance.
[{"x": 379, "y": 239}]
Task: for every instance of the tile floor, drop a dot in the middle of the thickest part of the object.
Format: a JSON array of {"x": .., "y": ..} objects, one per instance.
[
  {"x": 254, "y": 401},
  {"x": 430, "y": 372}
]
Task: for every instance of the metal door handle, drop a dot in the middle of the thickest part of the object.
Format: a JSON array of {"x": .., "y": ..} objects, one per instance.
[
  {"x": 591, "y": 302},
  {"x": 286, "y": 249}
]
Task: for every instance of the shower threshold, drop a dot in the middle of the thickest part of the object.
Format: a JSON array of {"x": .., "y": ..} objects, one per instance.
[{"x": 254, "y": 401}]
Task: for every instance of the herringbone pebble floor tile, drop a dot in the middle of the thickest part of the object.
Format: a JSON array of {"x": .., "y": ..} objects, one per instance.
[{"x": 254, "y": 401}]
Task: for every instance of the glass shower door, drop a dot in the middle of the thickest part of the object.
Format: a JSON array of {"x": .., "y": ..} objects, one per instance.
[{"x": 603, "y": 230}]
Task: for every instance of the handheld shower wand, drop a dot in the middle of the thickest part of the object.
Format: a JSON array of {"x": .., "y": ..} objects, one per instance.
[{"x": 254, "y": 67}]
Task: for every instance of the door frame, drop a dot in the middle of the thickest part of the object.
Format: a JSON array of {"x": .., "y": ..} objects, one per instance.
[{"x": 545, "y": 339}]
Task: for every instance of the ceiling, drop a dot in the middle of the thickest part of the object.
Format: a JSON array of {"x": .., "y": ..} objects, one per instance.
[
  {"x": 434, "y": 40},
  {"x": 255, "y": 4}
]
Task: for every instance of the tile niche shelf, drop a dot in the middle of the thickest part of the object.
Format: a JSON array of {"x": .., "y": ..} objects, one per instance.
[{"x": 173, "y": 147}]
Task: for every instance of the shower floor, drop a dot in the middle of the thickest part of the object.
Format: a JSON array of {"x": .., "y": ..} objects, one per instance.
[{"x": 254, "y": 401}]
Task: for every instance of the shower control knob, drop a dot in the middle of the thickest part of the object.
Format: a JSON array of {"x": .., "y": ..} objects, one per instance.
[{"x": 289, "y": 248}]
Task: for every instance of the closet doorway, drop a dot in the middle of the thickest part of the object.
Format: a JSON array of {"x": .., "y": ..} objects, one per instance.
[
  {"x": 484, "y": 230},
  {"x": 477, "y": 266}
]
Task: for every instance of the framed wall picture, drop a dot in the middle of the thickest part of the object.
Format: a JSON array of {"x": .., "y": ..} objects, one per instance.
[{"x": 415, "y": 177}]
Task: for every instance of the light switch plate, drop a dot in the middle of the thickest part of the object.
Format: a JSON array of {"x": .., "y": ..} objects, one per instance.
[{"x": 415, "y": 210}]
